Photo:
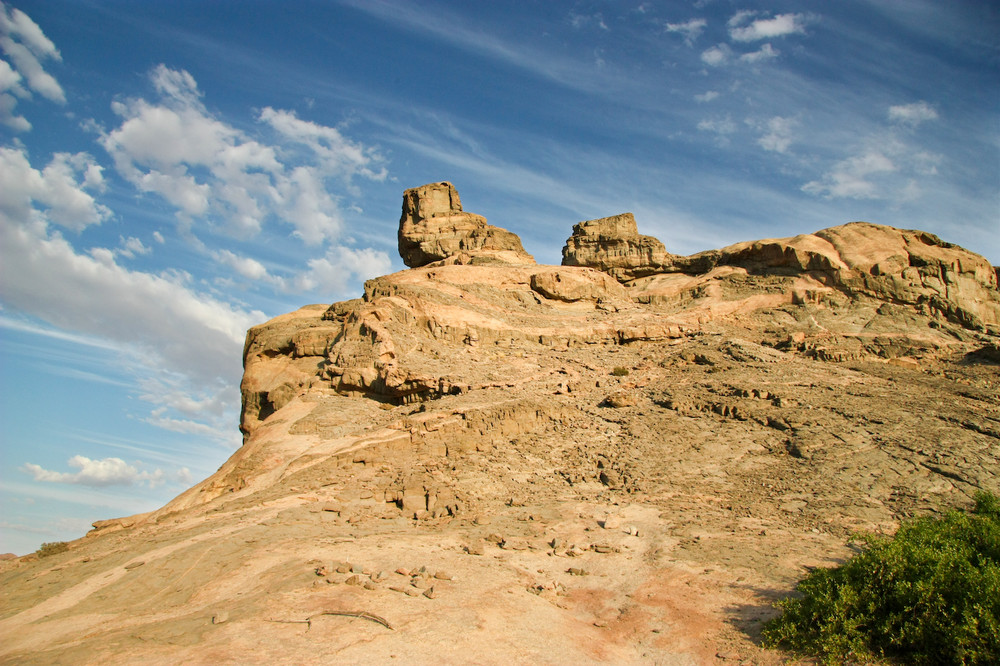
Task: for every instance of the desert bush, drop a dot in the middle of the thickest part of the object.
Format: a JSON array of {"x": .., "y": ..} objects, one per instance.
[
  {"x": 619, "y": 371},
  {"x": 52, "y": 548},
  {"x": 930, "y": 594}
]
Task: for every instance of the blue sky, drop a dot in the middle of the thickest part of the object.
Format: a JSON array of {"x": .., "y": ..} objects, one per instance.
[{"x": 172, "y": 173}]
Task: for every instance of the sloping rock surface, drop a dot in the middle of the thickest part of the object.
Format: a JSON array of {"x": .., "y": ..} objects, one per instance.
[{"x": 521, "y": 463}]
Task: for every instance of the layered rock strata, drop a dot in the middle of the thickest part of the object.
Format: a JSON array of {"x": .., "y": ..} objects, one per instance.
[
  {"x": 614, "y": 245},
  {"x": 857, "y": 259},
  {"x": 433, "y": 227}
]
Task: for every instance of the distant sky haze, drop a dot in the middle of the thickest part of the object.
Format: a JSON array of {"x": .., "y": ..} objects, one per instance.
[{"x": 172, "y": 173}]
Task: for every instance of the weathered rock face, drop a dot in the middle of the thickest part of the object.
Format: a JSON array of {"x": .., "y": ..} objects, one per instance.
[
  {"x": 857, "y": 259},
  {"x": 433, "y": 227},
  {"x": 869, "y": 260},
  {"x": 614, "y": 245}
]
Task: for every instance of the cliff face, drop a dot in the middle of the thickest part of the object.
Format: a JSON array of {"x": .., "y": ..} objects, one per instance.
[{"x": 617, "y": 460}]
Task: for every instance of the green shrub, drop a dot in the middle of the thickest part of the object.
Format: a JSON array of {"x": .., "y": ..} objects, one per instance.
[
  {"x": 931, "y": 595},
  {"x": 619, "y": 371},
  {"x": 52, "y": 548}
]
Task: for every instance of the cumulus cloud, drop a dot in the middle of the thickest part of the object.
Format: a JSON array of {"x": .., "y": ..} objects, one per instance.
[
  {"x": 690, "y": 29},
  {"x": 777, "y": 136},
  {"x": 742, "y": 29},
  {"x": 102, "y": 473},
  {"x": 912, "y": 114},
  {"x": 716, "y": 56},
  {"x": 26, "y": 46},
  {"x": 706, "y": 96},
  {"x": 216, "y": 174},
  {"x": 60, "y": 193}
]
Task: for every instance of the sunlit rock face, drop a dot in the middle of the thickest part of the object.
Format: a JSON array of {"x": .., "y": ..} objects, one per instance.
[
  {"x": 614, "y": 245},
  {"x": 433, "y": 227}
]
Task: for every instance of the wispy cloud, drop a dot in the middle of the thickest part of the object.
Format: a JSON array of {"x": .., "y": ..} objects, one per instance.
[
  {"x": 852, "y": 178},
  {"x": 741, "y": 29},
  {"x": 691, "y": 29},
  {"x": 452, "y": 29},
  {"x": 105, "y": 472},
  {"x": 766, "y": 52},
  {"x": 912, "y": 114}
]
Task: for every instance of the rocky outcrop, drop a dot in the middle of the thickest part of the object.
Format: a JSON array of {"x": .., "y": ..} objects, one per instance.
[
  {"x": 433, "y": 227},
  {"x": 614, "y": 245},
  {"x": 857, "y": 259},
  {"x": 860, "y": 259}
]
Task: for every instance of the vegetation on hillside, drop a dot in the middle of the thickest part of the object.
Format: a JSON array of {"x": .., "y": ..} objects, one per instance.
[{"x": 930, "y": 594}]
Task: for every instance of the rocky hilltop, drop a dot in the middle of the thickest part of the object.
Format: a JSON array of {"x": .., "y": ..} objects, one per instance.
[{"x": 625, "y": 458}]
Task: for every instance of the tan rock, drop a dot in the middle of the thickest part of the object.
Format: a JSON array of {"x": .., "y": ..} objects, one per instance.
[
  {"x": 614, "y": 245},
  {"x": 433, "y": 227}
]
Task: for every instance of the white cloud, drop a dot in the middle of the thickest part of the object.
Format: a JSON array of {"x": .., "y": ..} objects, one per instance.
[
  {"x": 579, "y": 21},
  {"x": 779, "y": 26},
  {"x": 338, "y": 156},
  {"x": 912, "y": 114},
  {"x": 131, "y": 246},
  {"x": 777, "y": 135},
  {"x": 244, "y": 266},
  {"x": 331, "y": 273},
  {"x": 161, "y": 328},
  {"x": 58, "y": 193},
  {"x": 690, "y": 29},
  {"x": 706, "y": 96},
  {"x": 26, "y": 46},
  {"x": 717, "y": 55},
  {"x": 212, "y": 172},
  {"x": 766, "y": 52},
  {"x": 105, "y": 472},
  {"x": 740, "y": 17},
  {"x": 718, "y": 125},
  {"x": 852, "y": 178}
]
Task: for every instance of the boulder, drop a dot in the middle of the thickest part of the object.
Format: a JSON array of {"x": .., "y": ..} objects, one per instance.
[{"x": 433, "y": 227}]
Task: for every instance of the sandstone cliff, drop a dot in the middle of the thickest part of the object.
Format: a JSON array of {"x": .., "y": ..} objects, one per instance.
[{"x": 558, "y": 462}]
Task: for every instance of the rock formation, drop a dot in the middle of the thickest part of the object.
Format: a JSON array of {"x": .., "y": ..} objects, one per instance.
[
  {"x": 433, "y": 227},
  {"x": 546, "y": 460},
  {"x": 613, "y": 245},
  {"x": 857, "y": 259}
]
